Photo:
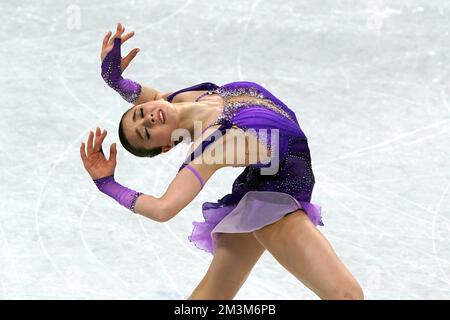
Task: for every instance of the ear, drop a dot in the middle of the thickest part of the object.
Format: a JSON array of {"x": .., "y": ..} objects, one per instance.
[{"x": 167, "y": 147}]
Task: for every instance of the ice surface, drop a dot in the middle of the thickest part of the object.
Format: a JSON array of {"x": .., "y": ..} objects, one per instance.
[{"x": 368, "y": 80}]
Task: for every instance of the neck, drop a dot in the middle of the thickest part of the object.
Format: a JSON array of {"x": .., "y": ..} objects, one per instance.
[{"x": 192, "y": 114}]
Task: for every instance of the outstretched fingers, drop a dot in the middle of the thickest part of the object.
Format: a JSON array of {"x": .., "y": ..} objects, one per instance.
[
  {"x": 106, "y": 40},
  {"x": 130, "y": 56},
  {"x": 83, "y": 154},
  {"x": 95, "y": 146},
  {"x": 99, "y": 137},
  {"x": 127, "y": 36},
  {"x": 90, "y": 144},
  {"x": 119, "y": 30},
  {"x": 113, "y": 152}
]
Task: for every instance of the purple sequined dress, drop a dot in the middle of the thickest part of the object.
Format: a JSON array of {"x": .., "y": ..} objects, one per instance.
[{"x": 256, "y": 200}]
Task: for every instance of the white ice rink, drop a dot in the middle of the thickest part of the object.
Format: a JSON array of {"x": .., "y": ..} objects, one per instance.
[{"x": 368, "y": 80}]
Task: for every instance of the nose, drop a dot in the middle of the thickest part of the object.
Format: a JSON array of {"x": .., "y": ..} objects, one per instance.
[{"x": 150, "y": 120}]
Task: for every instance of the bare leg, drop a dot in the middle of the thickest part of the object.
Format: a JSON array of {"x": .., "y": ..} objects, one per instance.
[
  {"x": 233, "y": 260},
  {"x": 301, "y": 248}
]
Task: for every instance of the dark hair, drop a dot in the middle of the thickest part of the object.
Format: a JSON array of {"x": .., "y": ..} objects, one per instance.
[{"x": 139, "y": 152}]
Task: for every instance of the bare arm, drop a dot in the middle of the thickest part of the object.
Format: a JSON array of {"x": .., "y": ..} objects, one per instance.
[
  {"x": 181, "y": 191},
  {"x": 186, "y": 186},
  {"x": 150, "y": 94}
]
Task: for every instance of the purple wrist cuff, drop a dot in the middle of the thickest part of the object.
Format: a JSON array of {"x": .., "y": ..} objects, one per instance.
[
  {"x": 112, "y": 74},
  {"x": 126, "y": 197}
]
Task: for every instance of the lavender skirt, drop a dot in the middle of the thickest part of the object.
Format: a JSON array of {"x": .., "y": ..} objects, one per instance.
[{"x": 255, "y": 210}]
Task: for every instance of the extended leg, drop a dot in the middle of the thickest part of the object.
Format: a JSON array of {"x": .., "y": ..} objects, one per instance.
[
  {"x": 233, "y": 260},
  {"x": 302, "y": 249}
]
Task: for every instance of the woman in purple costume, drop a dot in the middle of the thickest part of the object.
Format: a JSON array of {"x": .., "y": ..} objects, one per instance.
[{"x": 269, "y": 206}]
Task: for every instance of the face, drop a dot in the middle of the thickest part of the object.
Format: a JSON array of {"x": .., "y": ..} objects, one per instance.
[{"x": 150, "y": 125}]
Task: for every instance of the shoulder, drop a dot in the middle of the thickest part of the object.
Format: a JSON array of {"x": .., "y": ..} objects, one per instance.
[
  {"x": 163, "y": 95},
  {"x": 242, "y": 83}
]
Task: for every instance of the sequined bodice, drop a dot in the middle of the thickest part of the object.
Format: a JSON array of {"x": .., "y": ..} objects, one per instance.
[
  {"x": 243, "y": 97},
  {"x": 295, "y": 174}
]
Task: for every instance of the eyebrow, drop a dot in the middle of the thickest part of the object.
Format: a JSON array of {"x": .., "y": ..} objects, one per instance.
[
  {"x": 139, "y": 134},
  {"x": 134, "y": 120}
]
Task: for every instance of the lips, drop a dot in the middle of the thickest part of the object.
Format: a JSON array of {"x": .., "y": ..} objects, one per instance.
[{"x": 161, "y": 116}]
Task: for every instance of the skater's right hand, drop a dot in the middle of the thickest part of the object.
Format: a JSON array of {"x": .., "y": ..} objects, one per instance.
[
  {"x": 94, "y": 160},
  {"x": 108, "y": 45}
]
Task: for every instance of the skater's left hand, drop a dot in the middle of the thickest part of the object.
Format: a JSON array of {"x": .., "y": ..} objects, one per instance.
[
  {"x": 115, "y": 55},
  {"x": 95, "y": 161}
]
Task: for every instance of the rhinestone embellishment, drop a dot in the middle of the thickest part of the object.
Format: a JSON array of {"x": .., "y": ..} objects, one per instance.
[
  {"x": 133, "y": 201},
  {"x": 231, "y": 105}
]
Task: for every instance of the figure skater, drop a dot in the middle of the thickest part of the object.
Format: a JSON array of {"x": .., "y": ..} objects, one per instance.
[{"x": 263, "y": 211}]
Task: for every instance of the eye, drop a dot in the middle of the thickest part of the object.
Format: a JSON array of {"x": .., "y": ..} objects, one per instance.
[
  {"x": 148, "y": 135},
  {"x": 142, "y": 112}
]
